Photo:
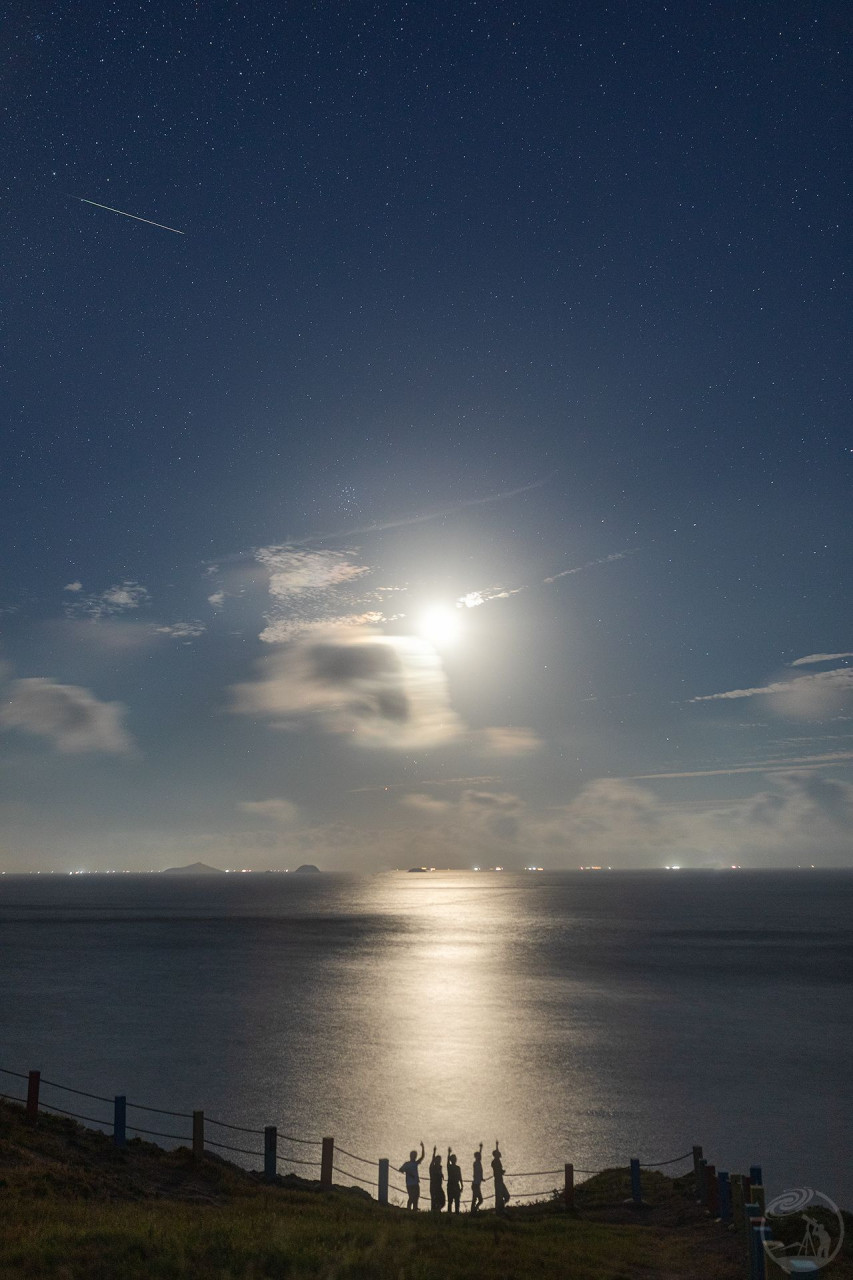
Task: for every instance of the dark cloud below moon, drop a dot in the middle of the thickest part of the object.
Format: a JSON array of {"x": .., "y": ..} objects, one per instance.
[{"x": 381, "y": 691}]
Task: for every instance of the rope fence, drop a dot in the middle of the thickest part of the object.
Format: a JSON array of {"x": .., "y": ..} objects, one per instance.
[
  {"x": 46, "y": 1106},
  {"x": 736, "y": 1200}
]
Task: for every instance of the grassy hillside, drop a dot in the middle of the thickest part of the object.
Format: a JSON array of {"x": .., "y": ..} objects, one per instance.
[{"x": 75, "y": 1208}]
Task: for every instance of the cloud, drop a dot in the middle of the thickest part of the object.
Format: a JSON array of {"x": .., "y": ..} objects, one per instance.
[
  {"x": 284, "y": 629},
  {"x": 70, "y": 717},
  {"x": 296, "y": 572},
  {"x": 799, "y": 818},
  {"x": 314, "y": 589},
  {"x": 810, "y": 697},
  {"x": 590, "y": 564},
  {"x": 506, "y": 741},
  {"x": 182, "y": 630},
  {"x": 781, "y": 765},
  {"x": 381, "y": 691},
  {"x": 117, "y": 599},
  {"x": 425, "y": 804},
  {"x": 474, "y": 599},
  {"x": 217, "y": 599},
  {"x": 814, "y": 658},
  {"x": 438, "y": 514},
  {"x": 281, "y": 812},
  {"x": 73, "y": 586}
]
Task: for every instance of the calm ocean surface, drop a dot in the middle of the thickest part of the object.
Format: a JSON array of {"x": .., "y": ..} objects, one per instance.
[{"x": 585, "y": 1017}]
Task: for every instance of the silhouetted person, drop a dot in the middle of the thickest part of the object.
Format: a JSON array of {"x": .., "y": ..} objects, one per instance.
[
  {"x": 477, "y": 1180},
  {"x": 454, "y": 1183},
  {"x": 501, "y": 1193},
  {"x": 413, "y": 1181},
  {"x": 436, "y": 1181}
]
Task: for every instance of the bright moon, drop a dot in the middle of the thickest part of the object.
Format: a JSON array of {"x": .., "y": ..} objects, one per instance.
[{"x": 440, "y": 625}]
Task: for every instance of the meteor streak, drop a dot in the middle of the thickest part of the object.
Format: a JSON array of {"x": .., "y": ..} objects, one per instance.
[{"x": 109, "y": 207}]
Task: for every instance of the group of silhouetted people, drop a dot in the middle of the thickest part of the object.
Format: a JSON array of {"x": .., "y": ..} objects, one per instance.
[{"x": 453, "y": 1198}]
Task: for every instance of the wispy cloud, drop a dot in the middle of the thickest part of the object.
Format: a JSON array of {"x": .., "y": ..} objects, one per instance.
[
  {"x": 484, "y": 595},
  {"x": 70, "y": 717},
  {"x": 779, "y": 765},
  {"x": 181, "y": 630},
  {"x": 506, "y": 740},
  {"x": 814, "y": 658},
  {"x": 591, "y": 564},
  {"x": 312, "y": 589},
  {"x": 73, "y": 586},
  {"x": 809, "y": 696},
  {"x": 439, "y": 513},
  {"x": 120, "y": 598},
  {"x": 468, "y": 781},
  {"x": 280, "y": 630},
  {"x": 282, "y": 813}
]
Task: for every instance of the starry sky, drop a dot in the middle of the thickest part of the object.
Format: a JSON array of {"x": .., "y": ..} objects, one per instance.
[{"x": 460, "y": 473}]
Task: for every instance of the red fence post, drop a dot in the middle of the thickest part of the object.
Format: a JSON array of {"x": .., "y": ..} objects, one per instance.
[{"x": 33, "y": 1082}]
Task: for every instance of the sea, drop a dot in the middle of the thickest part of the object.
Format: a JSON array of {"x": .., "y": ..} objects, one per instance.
[{"x": 588, "y": 1017}]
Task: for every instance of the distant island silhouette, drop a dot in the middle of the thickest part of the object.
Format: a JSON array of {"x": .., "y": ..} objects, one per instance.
[
  {"x": 194, "y": 869},
  {"x": 412, "y": 870},
  {"x": 308, "y": 869}
]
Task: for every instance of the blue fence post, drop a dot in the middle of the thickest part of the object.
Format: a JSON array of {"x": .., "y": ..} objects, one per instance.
[
  {"x": 757, "y": 1269},
  {"x": 382, "y": 1195},
  {"x": 270, "y": 1153},
  {"x": 636, "y": 1188},
  {"x": 724, "y": 1196},
  {"x": 751, "y": 1212},
  {"x": 120, "y": 1120}
]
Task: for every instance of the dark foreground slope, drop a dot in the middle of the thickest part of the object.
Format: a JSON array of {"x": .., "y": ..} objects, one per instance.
[{"x": 75, "y": 1208}]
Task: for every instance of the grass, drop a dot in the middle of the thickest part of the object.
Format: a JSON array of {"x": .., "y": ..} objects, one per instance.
[{"x": 74, "y": 1208}]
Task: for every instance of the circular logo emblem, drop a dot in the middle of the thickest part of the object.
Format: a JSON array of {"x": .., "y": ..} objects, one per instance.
[{"x": 809, "y": 1227}]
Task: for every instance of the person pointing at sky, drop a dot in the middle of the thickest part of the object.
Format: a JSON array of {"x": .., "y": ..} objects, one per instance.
[{"x": 413, "y": 1181}]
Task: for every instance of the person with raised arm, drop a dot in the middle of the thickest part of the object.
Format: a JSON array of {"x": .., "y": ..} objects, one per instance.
[
  {"x": 436, "y": 1181},
  {"x": 501, "y": 1193},
  {"x": 413, "y": 1181}
]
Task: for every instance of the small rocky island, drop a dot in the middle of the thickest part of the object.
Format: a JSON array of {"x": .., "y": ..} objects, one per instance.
[
  {"x": 307, "y": 869},
  {"x": 194, "y": 869}
]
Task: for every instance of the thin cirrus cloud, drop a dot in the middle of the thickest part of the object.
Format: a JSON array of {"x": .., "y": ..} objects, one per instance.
[
  {"x": 71, "y": 718},
  {"x": 810, "y": 696},
  {"x": 812, "y": 659},
  {"x": 484, "y": 595},
  {"x": 375, "y": 690}
]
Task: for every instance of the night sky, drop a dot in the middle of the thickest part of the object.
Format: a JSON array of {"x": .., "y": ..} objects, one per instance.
[{"x": 465, "y": 477}]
